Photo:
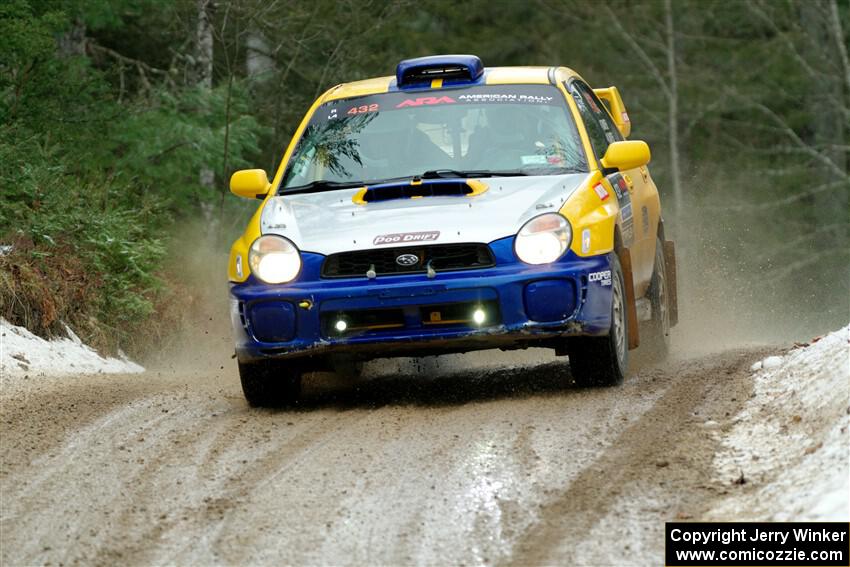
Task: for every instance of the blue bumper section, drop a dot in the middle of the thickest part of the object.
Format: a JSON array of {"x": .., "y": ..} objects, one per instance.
[{"x": 411, "y": 314}]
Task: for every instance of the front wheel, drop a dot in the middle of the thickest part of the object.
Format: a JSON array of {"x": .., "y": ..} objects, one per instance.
[
  {"x": 603, "y": 361},
  {"x": 270, "y": 383}
]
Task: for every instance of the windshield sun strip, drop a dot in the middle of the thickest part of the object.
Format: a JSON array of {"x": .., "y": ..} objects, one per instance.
[{"x": 473, "y": 94}]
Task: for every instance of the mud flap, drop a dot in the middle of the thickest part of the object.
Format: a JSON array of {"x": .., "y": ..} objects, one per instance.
[
  {"x": 631, "y": 306},
  {"x": 672, "y": 288}
]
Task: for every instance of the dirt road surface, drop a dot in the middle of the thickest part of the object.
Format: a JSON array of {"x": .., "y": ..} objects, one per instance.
[{"x": 493, "y": 460}]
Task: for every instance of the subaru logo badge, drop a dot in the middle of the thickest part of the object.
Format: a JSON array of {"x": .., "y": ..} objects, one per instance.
[{"x": 407, "y": 260}]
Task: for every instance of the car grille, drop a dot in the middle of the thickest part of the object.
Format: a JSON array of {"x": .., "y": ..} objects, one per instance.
[{"x": 442, "y": 257}]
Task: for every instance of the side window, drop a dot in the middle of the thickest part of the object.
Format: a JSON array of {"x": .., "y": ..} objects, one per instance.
[{"x": 600, "y": 128}]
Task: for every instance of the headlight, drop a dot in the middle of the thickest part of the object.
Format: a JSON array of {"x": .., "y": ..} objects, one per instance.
[
  {"x": 274, "y": 259},
  {"x": 543, "y": 239}
]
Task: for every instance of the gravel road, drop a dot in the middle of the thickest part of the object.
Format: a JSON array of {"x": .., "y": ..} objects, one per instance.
[{"x": 492, "y": 460}]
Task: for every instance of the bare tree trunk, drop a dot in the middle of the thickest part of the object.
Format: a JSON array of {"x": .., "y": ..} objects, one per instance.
[
  {"x": 202, "y": 67},
  {"x": 258, "y": 64},
  {"x": 73, "y": 41},
  {"x": 203, "y": 46},
  {"x": 673, "y": 109},
  {"x": 827, "y": 104}
]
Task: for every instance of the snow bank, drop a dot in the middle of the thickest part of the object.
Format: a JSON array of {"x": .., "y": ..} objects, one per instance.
[
  {"x": 791, "y": 442},
  {"x": 22, "y": 354}
]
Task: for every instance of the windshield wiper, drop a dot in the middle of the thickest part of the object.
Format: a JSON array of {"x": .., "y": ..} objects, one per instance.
[
  {"x": 467, "y": 173},
  {"x": 321, "y": 185}
]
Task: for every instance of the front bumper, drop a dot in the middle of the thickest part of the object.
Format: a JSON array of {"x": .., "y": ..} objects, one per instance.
[{"x": 395, "y": 315}]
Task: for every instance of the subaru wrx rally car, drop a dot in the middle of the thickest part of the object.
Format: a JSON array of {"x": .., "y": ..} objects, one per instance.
[{"x": 451, "y": 208}]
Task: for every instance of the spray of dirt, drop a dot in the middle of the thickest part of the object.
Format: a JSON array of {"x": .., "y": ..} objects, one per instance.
[
  {"x": 200, "y": 340},
  {"x": 727, "y": 300}
]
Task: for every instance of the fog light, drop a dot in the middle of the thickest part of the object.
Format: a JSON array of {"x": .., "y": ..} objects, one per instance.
[
  {"x": 341, "y": 326},
  {"x": 479, "y": 316}
]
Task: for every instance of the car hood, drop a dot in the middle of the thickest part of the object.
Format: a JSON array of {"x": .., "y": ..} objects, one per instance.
[{"x": 328, "y": 222}]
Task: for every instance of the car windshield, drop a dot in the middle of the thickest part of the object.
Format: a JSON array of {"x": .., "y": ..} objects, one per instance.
[{"x": 475, "y": 131}]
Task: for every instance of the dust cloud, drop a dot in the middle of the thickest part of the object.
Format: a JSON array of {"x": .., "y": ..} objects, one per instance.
[{"x": 734, "y": 292}]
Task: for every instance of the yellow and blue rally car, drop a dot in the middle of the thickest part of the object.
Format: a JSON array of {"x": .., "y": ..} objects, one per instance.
[{"x": 450, "y": 208}]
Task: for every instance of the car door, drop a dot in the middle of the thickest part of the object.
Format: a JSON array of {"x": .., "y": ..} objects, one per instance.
[{"x": 635, "y": 190}]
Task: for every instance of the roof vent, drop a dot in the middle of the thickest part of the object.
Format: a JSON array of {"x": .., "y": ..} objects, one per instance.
[{"x": 451, "y": 68}]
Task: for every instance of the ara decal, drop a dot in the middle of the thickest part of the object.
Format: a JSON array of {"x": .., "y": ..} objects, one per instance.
[{"x": 426, "y": 100}]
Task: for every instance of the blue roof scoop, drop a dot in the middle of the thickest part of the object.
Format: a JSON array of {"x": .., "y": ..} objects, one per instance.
[{"x": 454, "y": 69}]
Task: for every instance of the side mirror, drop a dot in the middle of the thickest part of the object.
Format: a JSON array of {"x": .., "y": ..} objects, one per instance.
[
  {"x": 626, "y": 155},
  {"x": 250, "y": 183}
]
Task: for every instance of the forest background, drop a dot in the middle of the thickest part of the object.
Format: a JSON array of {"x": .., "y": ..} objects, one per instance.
[{"x": 122, "y": 120}]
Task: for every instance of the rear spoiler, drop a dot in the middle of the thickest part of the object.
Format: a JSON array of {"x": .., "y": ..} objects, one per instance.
[{"x": 618, "y": 110}]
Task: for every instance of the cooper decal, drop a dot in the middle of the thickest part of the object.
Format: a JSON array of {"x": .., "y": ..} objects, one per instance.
[
  {"x": 604, "y": 277},
  {"x": 402, "y": 237}
]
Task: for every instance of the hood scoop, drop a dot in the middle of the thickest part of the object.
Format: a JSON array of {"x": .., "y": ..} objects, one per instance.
[{"x": 417, "y": 189}]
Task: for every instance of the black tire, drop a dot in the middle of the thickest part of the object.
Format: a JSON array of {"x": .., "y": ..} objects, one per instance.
[
  {"x": 270, "y": 383},
  {"x": 656, "y": 336},
  {"x": 604, "y": 361}
]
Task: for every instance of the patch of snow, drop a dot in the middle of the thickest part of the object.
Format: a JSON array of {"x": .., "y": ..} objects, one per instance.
[
  {"x": 791, "y": 442},
  {"x": 24, "y": 354}
]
